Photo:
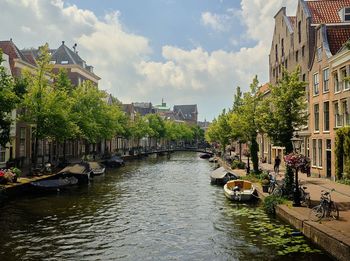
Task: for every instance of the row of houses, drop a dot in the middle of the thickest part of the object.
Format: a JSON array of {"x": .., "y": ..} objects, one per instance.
[
  {"x": 21, "y": 146},
  {"x": 317, "y": 40}
]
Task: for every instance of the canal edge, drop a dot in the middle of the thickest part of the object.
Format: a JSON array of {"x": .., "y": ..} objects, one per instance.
[{"x": 337, "y": 246}]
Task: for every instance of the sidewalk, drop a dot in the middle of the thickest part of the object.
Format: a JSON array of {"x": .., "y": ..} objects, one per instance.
[{"x": 332, "y": 235}]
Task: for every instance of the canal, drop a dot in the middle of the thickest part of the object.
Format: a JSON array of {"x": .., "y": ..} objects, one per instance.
[{"x": 153, "y": 209}]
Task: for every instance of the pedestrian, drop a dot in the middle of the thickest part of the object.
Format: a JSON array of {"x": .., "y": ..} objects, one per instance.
[{"x": 276, "y": 167}]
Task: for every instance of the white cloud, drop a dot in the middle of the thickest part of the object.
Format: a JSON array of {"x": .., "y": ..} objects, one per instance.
[
  {"x": 216, "y": 22},
  {"x": 123, "y": 59}
]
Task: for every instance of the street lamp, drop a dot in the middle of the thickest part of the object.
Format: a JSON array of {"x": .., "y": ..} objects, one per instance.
[{"x": 296, "y": 142}]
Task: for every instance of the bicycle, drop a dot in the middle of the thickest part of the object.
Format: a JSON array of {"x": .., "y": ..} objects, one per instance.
[
  {"x": 326, "y": 208},
  {"x": 304, "y": 196}
]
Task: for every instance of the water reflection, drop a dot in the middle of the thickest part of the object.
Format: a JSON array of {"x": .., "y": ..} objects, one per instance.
[{"x": 155, "y": 209}]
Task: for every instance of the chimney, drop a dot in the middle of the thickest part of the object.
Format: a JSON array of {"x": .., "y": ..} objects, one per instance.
[
  {"x": 75, "y": 48},
  {"x": 62, "y": 42}
]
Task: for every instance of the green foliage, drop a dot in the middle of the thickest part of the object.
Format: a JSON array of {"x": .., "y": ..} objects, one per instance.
[
  {"x": 342, "y": 153},
  {"x": 284, "y": 111},
  {"x": 270, "y": 203},
  {"x": 236, "y": 164},
  {"x": 156, "y": 125},
  {"x": 220, "y": 130},
  {"x": 8, "y": 102}
]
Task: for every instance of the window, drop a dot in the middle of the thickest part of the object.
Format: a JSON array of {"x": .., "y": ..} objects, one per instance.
[
  {"x": 346, "y": 115},
  {"x": 326, "y": 116},
  {"x": 299, "y": 31},
  {"x": 314, "y": 159},
  {"x": 2, "y": 154},
  {"x": 296, "y": 56},
  {"x": 303, "y": 51},
  {"x": 338, "y": 119},
  {"x": 343, "y": 75},
  {"x": 316, "y": 117},
  {"x": 336, "y": 83},
  {"x": 22, "y": 142},
  {"x": 320, "y": 153},
  {"x": 282, "y": 46},
  {"x": 308, "y": 148},
  {"x": 276, "y": 53},
  {"x": 273, "y": 72},
  {"x": 347, "y": 14},
  {"x": 316, "y": 84},
  {"x": 64, "y": 62},
  {"x": 319, "y": 54},
  {"x": 304, "y": 77},
  {"x": 286, "y": 63},
  {"x": 325, "y": 80}
]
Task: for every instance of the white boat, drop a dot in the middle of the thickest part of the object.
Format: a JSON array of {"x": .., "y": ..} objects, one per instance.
[
  {"x": 220, "y": 176},
  {"x": 96, "y": 168},
  {"x": 240, "y": 190}
]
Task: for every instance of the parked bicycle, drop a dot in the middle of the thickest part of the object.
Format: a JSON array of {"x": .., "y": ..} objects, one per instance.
[
  {"x": 326, "y": 208},
  {"x": 281, "y": 190},
  {"x": 273, "y": 184}
]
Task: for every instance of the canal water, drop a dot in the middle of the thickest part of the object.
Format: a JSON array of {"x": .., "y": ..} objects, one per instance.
[{"x": 153, "y": 209}]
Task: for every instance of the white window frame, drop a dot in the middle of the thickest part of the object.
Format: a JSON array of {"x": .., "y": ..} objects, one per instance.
[
  {"x": 319, "y": 156},
  {"x": 347, "y": 14},
  {"x": 337, "y": 116},
  {"x": 337, "y": 86},
  {"x": 314, "y": 152},
  {"x": 316, "y": 84},
  {"x": 325, "y": 78},
  {"x": 317, "y": 116},
  {"x": 324, "y": 117},
  {"x": 319, "y": 54}
]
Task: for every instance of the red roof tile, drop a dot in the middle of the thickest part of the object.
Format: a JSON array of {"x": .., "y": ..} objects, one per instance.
[
  {"x": 337, "y": 36},
  {"x": 264, "y": 88},
  {"x": 326, "y": 11}
]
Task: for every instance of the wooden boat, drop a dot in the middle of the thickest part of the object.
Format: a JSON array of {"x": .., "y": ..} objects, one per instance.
[
  {"x": 240, "y": 190},
  {"x": 220, "y": 176},
  {"x": 55, "y": 184},
  {"x": 96, "y": 168},
  {"x": 81, "y": 171}
]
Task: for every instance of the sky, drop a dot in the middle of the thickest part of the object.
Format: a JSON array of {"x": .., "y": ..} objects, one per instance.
[{"x": 182, "y": 51}]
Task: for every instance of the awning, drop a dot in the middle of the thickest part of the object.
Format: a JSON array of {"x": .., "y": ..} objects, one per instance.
[{"x": 219, "y": 173}]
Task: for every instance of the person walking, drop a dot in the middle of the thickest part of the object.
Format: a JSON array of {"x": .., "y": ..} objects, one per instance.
[{"x": 276, "y": 166}]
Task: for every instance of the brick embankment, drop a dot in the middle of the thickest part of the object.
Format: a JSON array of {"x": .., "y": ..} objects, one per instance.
[{"x": 331, "y": 235}]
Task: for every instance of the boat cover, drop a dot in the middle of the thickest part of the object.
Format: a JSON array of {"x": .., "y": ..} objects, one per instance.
[
  {"x": 55, "y": 183},
  {"x": 76, "y": 169},
  {"x": 220, "y": 173}
]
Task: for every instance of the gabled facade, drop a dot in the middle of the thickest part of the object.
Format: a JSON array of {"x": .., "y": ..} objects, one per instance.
[
  {"x": 187, "y": 113},
  {"x": 21, "y": 146},
  {"x": 310, "y": 40}
]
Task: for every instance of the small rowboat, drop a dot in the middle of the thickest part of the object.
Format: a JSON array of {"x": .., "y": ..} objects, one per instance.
[
  {"x": 97, "y": 168},
  {"x": 240, "y": 190}
]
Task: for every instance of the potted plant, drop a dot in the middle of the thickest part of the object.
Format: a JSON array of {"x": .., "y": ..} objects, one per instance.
[{"x": 265, "y": 182}]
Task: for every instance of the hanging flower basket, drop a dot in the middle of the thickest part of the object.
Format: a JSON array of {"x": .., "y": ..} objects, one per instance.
[{"x": 298, "y": 161}]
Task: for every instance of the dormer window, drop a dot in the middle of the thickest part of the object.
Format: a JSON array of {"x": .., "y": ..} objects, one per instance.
[
  {"x": 64, "y": 62},
  {"x": 347, "y": 14}
]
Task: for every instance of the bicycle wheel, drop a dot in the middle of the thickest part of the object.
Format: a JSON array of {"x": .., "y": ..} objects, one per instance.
[
  {"x": 277, "y": 192},
  {"x": 333, "y": 211},
  {"x": 316, "y": 213},
  {"x": 271, "y": 188}
]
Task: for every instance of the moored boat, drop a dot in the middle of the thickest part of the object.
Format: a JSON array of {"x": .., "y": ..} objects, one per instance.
[
  {"x": 213, "y": 159},
  {"x": 114, "y": 161},
  {"x": 220, "y": 176},
  {"x": 81, "y": 171},
  {"x": 240, "y": 190},
  {"x": 205, "y": 156},
  {"x": 96, "y": 168},
  {"x": 55, "y": 184}
]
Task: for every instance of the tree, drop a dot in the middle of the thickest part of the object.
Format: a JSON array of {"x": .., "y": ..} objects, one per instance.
[
  {"x": 34, "y": 100},
  {"x": 244, "y": 119},
  {"x": 8, "y": 102},
  {"x": 285, "y": 112},
  {"x": 139, "y": 128},
  {"x": 156, "y": 126}
]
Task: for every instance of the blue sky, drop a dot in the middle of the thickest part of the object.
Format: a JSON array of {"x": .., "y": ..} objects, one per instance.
[
  {"x": 174, "y": 22},
  {"x": 182, "y": 51}
]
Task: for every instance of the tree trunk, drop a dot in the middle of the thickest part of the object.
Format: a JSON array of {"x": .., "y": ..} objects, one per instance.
[
  {"x": 64, "y": 150},
  {"x": 254, "y": 148}
]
